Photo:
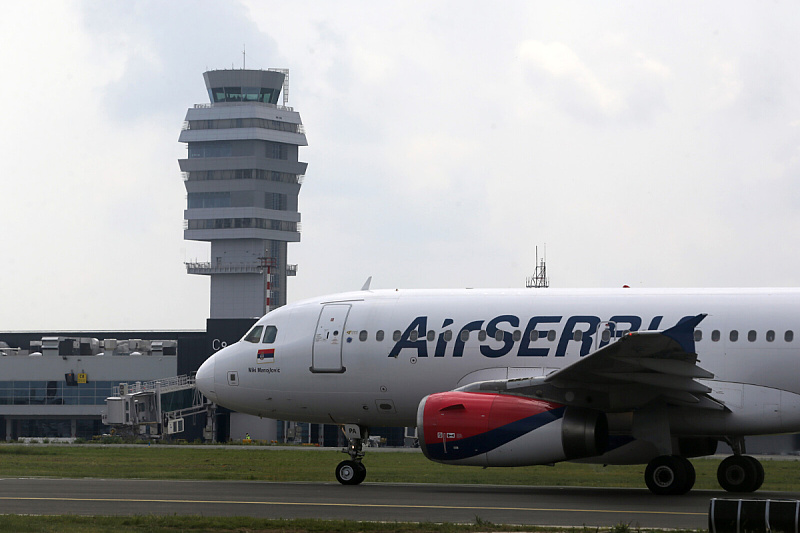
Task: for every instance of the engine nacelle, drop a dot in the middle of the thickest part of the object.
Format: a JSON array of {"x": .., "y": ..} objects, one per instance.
[{"x": 488, "y": 429}]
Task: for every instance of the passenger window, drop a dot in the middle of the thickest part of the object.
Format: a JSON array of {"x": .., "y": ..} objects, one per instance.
[
  {"x": 270, "y": 334},
  {"x": 362, "y": 335},
  {"x": 499, "y": 335},
  {"x": 606, "y": 336},
  {"x": 734, "y": 335},
  {"x": 715, "y": 335},
  {"x": 448, "y": 335},
  {"x": 517, "y": 336},
  {"x": 577, "y": 336},
  {"x": 770, "y": 336},
  {"x": 482, "y": 335},
  {"x": 698, "y": 335},
  {"x": 788, "y": 336},
  {"x": 254, "y": 335},
  {"x": 464, "y": 335},
  {"x": 751, "y": 335},
  {"x": 431, "y": 336},
  {"x": 379, "y": 335},
  {"x": 551, "y": 335},
  {"x": 414, "y": 335},
  {"x": 534, "y": 335},
  {"x": 396, "y": 335}
]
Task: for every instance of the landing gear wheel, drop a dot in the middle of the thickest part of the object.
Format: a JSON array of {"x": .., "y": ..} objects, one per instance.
[
  {"x": 740, "y": 473},
  {"x": 362, "y": 473},
  {"x": 669, "y": 475},
  {"x": 350, "y": 473}
]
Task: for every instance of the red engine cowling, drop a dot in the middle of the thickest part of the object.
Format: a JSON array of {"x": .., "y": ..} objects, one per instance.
[{"x": 488, "y": 429}]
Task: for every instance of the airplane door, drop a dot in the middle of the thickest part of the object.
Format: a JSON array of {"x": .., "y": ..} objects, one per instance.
[{"x": 326, "y": 353}]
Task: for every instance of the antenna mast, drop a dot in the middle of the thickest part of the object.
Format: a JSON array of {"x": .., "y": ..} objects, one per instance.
[{"x": 539, "y": 279}]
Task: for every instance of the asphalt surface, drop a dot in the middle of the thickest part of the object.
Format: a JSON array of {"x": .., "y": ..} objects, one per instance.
[{"x": 560, "y": 506}]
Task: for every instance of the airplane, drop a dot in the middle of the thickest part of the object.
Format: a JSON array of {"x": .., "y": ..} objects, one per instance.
[{"x": 513, "y": 377}]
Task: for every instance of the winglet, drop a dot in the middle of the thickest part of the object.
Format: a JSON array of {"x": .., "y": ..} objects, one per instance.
[
  {"x": 366, "y": 284},
  {"x": 683, "y": 332}
]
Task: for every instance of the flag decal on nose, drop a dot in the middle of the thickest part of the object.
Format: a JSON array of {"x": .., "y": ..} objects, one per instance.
[{"x": 266, "y": 356}]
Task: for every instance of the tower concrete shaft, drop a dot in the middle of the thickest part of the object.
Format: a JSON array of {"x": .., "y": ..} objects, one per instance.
[{"x": 243, "y": 178}]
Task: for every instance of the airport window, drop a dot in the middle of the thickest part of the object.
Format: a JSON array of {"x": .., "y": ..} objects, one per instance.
[
  {"x": 715, "y": 335},
  {"x": 788, "y": 336},
  {"x": 276, "y": 150},
  {"x": 270, "y": 334},
  {"x": 414, "y": 335},
  {"x": 431, "y": 336},
  {"x": 770, "y": 336},
  {"x": 196, "y": 200},
  {"x": 464, "y": 335},
  {"x": 698, "y": 335},
  {"x": 362, "y": 335},
  {"x": 517, "y": 336},
  {"x": 734, "y": 336},
  {"x": 448, "y": 335},
  {"x": 254, "y": 335},
  {"x": 499, "y": 335},
  {"x": 379, "y": 335},
  {"x": 482, "y": 335},
  {"x": 396, "y": 335},
  {"x": 210, "y": 149},
  {"x": 534, "y": 335},
  {"x": 751, "y": 335},
  {"x": 551, "y": 335}
]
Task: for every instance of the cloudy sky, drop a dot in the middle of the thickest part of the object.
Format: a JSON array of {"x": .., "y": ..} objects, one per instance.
[{"x": 654, "y": 144}]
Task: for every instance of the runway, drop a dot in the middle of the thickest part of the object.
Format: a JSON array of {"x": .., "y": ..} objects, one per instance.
[{"x": 369, "y": 501}]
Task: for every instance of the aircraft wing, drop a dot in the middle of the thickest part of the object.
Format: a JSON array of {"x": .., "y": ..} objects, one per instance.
[{"x": 639, "y": 368}]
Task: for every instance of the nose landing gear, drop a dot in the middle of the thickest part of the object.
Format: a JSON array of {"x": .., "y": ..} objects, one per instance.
[{"x": 353, "y": 471}]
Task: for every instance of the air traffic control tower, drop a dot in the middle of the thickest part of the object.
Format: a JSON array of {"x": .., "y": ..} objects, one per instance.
[{"x": 243, "y": 177}]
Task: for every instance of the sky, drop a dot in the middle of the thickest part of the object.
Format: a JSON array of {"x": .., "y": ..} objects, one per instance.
[{"x": 653, "y": 144}]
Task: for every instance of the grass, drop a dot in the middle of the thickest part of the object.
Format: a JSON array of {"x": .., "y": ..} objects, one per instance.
[
  {"x": 172, "y": 524},
  {"x": 198, "y": 463}
]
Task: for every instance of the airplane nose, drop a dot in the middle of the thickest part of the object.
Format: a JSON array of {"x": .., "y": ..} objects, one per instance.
[{"x": 205, "y": 379}]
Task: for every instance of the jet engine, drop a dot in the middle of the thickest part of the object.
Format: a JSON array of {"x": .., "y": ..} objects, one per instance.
[{"x": 489, "y": 429}]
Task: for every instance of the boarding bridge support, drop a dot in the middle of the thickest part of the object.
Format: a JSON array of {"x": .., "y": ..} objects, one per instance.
[{"x": 156, "y": 408}]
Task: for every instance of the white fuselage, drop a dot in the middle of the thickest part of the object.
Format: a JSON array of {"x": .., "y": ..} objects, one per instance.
[{"x": 369, "y": 357}]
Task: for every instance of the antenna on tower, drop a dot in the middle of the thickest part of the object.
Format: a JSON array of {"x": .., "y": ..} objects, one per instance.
[
  {"x": 539, "y": 279},
  {"x": 244, "y": 58}
]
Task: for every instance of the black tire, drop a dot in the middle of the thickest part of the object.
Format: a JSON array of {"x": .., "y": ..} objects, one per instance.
[
  {"x": 759, "y": 472},
  {"x": 739, "y": 473},
  {"x": 668, "y": 475},
  {"x": 350, "y": 473},
  {"x": 362, "y": 473},
  {"x": 691, "y": 476}
]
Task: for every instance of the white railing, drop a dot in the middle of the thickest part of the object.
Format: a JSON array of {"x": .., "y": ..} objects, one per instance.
[{"x": 273, "y": 106}]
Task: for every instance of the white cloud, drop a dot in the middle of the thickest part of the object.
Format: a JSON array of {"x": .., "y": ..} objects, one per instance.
[{"x": 446, "y": 140}]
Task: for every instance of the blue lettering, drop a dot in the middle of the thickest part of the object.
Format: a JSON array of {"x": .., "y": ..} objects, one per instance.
[
  {"x": 569, "y": 333},
  {"x": 420, "y": 325},
  {"x": 655, "y": 323},
  {"x": 525, "y": 349},
  {"x": 458, "y": 348},
  {"x": 508, "y": 338},
  {"x": 441, "y": 343},
  {"x": 618, "y": 324}
]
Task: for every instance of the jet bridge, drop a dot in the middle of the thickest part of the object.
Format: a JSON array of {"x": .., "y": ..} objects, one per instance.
[{"x": 156, "y": 408}]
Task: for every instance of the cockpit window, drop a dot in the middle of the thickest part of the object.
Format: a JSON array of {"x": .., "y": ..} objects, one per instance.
[
  {"x": 255, "y": 334},
  {"x": 270, "y": 334}
]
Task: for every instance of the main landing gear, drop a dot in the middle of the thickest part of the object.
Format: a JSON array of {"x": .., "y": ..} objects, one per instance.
[
  {"x": 669, "y": 474},
  {"x": 673, "y": 474},
  {"x": 739, "y": 472},
  {"x": 352, "y": 471}
]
